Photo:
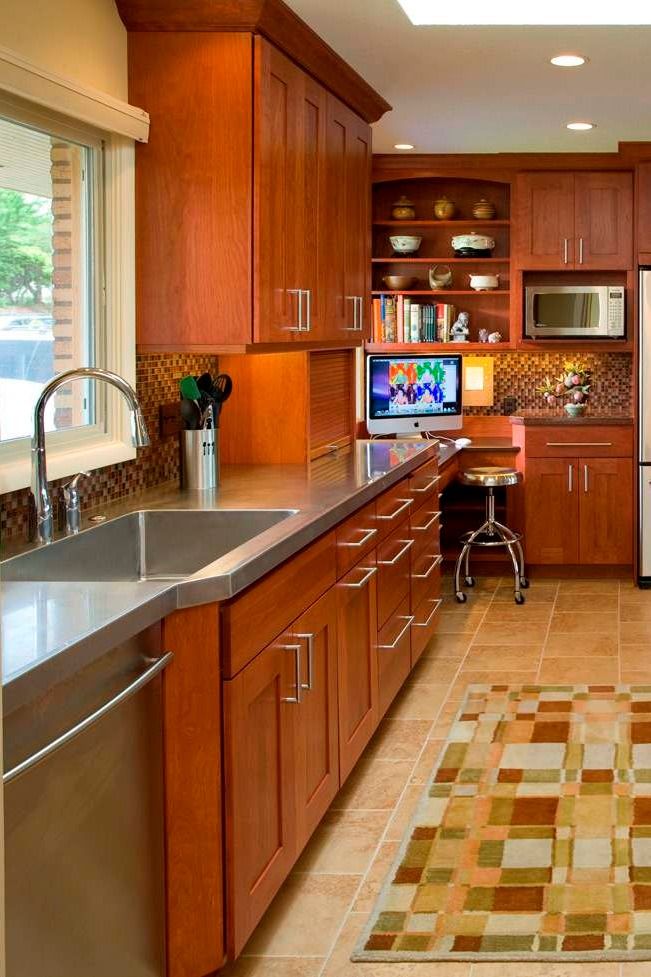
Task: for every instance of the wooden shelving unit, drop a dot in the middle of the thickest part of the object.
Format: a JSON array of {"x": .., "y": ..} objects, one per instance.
[
  {"x": 400, "y": 260},
  {"x": 493, "y": 293},
  {"x": 470, "y": 224},
  {"x": 439, "y": 348}
]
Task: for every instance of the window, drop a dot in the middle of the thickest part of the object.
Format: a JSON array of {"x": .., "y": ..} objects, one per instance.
[{"x": 66, "y": 288}]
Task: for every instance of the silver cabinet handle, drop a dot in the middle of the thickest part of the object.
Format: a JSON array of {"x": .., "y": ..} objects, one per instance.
[
  {"x": 428, "y": 524},
  {"x": 309, "y": 637},
  {"x": 298, "y": 698},
  {"x": 368, "y": 573},
  {"x": 308, "y": 309},
  {"x": 401, "y": 552},
  {"x": 401, "y": 508},
  {"x": 368, "y": 533},
  {"x": 565, "y": 249},
  {"x": 430, "y": 484},
  {"x": 424, "y": 576},
  {"x": 424, "y": 624},
  {"x": 409, "y": 618},
  {"x": 579, "y": 444},
  {"x": 353, "y": 299},
  {"x": 586, "y": 481},
  {"x": 580, "y": 250},
  {"x": 570, "y": 478},
  {"x": 298, "y": 292},
  {"x": 157, "y": 666}
]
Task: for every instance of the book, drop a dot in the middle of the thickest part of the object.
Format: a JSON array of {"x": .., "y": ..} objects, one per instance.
[
  {"x": 400, "y": 316},
  {"x": 415, "y": 322},
  {"x": 407, "y": 319}
]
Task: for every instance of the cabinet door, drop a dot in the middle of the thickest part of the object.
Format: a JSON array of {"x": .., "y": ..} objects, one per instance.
[
  {"x": 606, "y": 512},
  {"x": 317, "y": 737},
  {"x": 603, "y": 220},
  {"x": 357, "y": 671},
  {"x": 260, "y": 735},
  {"x": 348, "y": 230},
  {"x": 552, "y": 510},
  {"x": 644, "y": 211},
  {"x": 545, "y": 220},
  {"x": 278, "y": 84},
  {"x": 394, "y": 654}
]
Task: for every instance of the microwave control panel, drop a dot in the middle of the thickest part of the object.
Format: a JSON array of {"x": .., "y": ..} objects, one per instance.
[{"x": 616, "y": 311}]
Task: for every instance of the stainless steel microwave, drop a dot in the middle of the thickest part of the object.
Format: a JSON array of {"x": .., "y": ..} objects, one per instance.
[{"x": 575, "y": 311}]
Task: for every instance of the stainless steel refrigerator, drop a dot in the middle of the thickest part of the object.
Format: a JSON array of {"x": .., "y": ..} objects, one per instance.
[{"x": 644, "y": 422}]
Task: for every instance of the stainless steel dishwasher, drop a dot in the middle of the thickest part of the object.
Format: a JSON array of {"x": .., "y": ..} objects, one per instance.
[{"x": 84, "y": 821}]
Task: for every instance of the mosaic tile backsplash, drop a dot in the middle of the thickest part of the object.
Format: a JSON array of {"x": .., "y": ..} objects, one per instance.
[{"x": 157, "y": 382}]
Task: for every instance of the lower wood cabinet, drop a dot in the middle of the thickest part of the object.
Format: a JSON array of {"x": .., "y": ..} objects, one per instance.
[
  {"x": 606, "y": 511},
  {"x": 394, "y": 655},
  {"x": 357, "y": 661},
  {"x": 552, "y": 511}
]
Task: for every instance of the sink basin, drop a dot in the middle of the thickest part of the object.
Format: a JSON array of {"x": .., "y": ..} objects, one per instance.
[{"x": 153, "y": 544}]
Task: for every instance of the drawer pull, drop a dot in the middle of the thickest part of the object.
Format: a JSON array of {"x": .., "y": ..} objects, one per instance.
[
  {"x": 401, "y": 552},
  {"x": 430, "y": 484},
  {"x": 579, "y": 444},
  {"x": 401, "y": 508},
  {"x": 424, "y": 576},
  {"x": 424, "y": 624},
  {"x": 409, "y": 618},
  {"x": 368, "y": 533},
  {"x": 368, "y": 573},
  {"x": 309, "y": 685},
  {"x": 298, "y": 698},
  {"x": 429, "y": 524},
  {"x": 586, "y": 480}
]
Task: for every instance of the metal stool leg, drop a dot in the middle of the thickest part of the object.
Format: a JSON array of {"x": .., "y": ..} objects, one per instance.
[
  {"x": 504, "y": 533},
  {"x": 464, "y": 555},
  {"x": 524, "y": 583}
]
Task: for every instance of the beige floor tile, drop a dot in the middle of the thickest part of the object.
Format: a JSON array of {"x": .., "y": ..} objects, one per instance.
[
  {"x": 516, "y": 657},
  {"x": 538, "y": 593},
  {"x": 489, "y": 677},
  {"x": 511, "y": 633},
  {"x": 527, "y": 613},
  {"x": 584, "y": 622},
  {"x": 404, "y": 812},
  {"x": 340, "y": 964},
  {"x": 344, "y": 842},
  {"x": 305, "y": 916},
  {"x": 638, "y": 968},
  {"x": 504, "y": 969},
  {"x": 630, "y": 677},
  {"x": 634, "y": 634},
  {"x": 477, "y": 600},
  {"x": 448, "y": 646},
  {"x": 274, "y": 967},
  {"x": 589, "y": 587},
  {"x": 374, "y": 785},
  {"x": 399, "y": 739},
  {"x": 635, "y": 657},
  {"x": 446, "y": 717},
  {"x": 635, "y": 613},
  {"x": 460, "y": 621},
  {"x": 435, "y": 670},
  {"x": 593, "y": 603},
  {"x": 378, "y": 872},
  {"x": 486, "y": 585},
  {"x": 419, "y": 701},
  {"x": 571, "y": 671},
  {"x": 631, "y": 594},
  {"x": 587, "y": 645},
  {"x": 426, "y": 762}
]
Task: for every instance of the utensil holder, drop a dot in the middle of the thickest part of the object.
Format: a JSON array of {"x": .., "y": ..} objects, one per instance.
[{"x": 200, "y": 459}]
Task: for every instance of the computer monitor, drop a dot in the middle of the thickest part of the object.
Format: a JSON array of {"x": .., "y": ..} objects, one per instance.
[{"x": 413, "y": 394}]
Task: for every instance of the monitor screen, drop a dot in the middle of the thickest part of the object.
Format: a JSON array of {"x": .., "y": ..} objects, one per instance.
[{"x": 408, "y": 387}]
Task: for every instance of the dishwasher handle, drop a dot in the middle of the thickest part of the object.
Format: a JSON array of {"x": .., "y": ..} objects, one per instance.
[{"x": 154, "y": 669}]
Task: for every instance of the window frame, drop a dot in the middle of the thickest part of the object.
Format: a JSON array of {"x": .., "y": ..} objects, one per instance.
[{"x": 109, "y": 441}]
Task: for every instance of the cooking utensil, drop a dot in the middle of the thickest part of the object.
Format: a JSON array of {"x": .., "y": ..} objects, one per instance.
[
  {"x": 190, "y": 414},
  {"x": 206, "y": 384},
  {"x": 189, "y": 388},
  {"x": 223, "y": 389}
]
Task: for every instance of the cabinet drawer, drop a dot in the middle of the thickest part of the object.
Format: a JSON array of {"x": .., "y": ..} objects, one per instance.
[
  {"x": 448, "y": 475},
  {"x": 393, "y": 569},
  {"x": 425, "y": 528},
  {"x": 425, "y": 577},
  {"x": 425, "y": 482},
  {"x": 392, "y": 508},
  {"x": 424, "y": 623},
  {"x": 572, "y": 442},
  {"x": 356, "y": 536},
  {"x": 394, "y": 654},
  {"x": 254, "y": 618}
]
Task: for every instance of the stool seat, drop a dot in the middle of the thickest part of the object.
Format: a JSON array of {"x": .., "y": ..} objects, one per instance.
[{"x": 490, "y": 476}]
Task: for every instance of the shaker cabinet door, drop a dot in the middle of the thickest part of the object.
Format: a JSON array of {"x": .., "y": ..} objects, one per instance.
[
  {"x": 544, "y": 220},
  {"x": 604, "y": 220},
  {"x": 552, "y": 510},
  {"x": 606, "y": 514}
]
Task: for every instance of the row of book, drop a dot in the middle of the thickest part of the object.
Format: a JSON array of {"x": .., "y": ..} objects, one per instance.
[{"x": 398, "y": 319}]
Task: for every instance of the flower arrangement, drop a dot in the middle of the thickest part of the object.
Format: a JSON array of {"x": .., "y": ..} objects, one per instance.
[{"x": 573, "y": 386}]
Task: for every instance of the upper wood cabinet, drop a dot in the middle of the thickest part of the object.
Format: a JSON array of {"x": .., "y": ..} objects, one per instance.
[
  {"x": 252, "y": 197},
  {"x": 580, "y": 221},
  {"x": 644, "y": 212}
]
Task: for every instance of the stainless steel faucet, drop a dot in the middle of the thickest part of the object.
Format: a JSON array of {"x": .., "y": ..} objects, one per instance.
[{"x": 40, "y": 489}]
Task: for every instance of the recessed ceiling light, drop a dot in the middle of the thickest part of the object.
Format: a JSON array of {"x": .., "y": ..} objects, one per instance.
[
  {"x": 581, "y": 126},
  {"x": 403, "y": 145},
  {"x": 580, "y": 13},
  {"x": 568, "y": 60}
]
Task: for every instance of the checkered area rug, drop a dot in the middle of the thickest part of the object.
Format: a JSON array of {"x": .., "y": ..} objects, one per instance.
[{"x": 533, "y": 839}]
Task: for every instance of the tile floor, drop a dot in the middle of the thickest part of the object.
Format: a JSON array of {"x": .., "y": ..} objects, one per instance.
[{"x": 568, "y": 631}]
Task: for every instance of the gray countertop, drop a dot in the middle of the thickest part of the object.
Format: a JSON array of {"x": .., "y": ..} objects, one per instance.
[
  {"x": 49, "y": 629},
  {"x": 590, "y": 420}
]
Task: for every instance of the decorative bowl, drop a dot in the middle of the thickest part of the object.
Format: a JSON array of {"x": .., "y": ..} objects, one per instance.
[
  {"x": 405, "y": 243},
  {"x": 484, "y": 283},
  {"x": 440, "y": 276},
  {"x": 575, "y": 410},
  {"x": 399, "y": 283},
  {"x": 473, "y": 245}
]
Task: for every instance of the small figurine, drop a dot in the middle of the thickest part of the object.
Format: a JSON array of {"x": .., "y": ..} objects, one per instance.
[
  {"x": 483, "y": 335},
  {"x": 495, "y": 337},
  {"x": 461, "y": 329}
]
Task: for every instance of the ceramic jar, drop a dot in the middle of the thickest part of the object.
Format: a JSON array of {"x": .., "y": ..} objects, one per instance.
[
  {"x": 444, "y": 209},
  {"x": 473, "y": 245},
  {"x": 484, "y": 210},
  {"x": 440, "y": 276},
  {"x": 403, "y": 210}
]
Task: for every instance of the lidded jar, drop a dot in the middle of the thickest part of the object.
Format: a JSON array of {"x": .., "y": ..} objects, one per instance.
[
  {"x": 403, "y": 209},
  {"x": 483, "y": 210},
  {"x": 444, "y": 209}
]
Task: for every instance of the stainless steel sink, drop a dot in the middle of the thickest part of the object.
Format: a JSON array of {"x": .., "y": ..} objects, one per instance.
[{"x": 153, "y": 544}]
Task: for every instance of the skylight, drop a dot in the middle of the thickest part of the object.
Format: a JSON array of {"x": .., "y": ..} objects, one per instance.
[{"x": 540, "y": 12}]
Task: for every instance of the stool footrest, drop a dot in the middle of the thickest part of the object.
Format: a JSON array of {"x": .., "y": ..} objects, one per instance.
[{"x": 489, "y": 540}]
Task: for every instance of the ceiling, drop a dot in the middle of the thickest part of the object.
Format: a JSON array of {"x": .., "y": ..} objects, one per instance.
[{"x": 491, "y": 89}]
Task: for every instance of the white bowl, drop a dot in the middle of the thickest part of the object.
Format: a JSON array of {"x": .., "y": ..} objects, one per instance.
[
  {"x": 484, "y": 283},
  {"x": 405, "y": 243}
]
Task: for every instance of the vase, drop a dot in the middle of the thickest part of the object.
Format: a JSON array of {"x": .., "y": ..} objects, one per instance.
[
  {"x": 444, "y": 209},
  {"x": 575, "y": 410}
]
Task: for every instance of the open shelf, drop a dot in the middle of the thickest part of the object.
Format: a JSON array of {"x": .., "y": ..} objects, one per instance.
[
  {"x": 462, "y": 222},
  {"x": 438, "y": 347},
  {"x": 492, "y": 292},
  {"x": 574, "y": 346},
  {"x": 440, "y": 261}
]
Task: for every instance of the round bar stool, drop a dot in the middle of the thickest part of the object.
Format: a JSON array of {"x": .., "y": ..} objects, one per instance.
[{"x": 491, "y": 532}]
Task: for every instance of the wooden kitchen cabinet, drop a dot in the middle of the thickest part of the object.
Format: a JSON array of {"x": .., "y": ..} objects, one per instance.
[
  {"x": 644, "y": 213},
  {"x": 552, "y": 511},
  {"x": 574, "y": 221},
  {"x": 606, "y": 511},
  {"x": 357, "y": 663}
]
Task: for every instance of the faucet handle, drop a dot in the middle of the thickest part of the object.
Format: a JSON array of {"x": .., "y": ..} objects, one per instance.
[
  {"x": 73, "y": 504},
  {"x": 70, "y": 487}
]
